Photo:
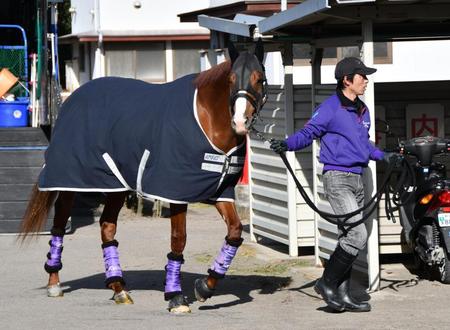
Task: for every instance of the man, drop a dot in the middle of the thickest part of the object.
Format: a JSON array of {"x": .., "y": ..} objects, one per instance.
[{"x": 342, "y": 123}]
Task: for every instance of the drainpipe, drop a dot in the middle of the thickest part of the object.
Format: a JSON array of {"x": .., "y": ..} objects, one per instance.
[{"x": 99, "y": 61}]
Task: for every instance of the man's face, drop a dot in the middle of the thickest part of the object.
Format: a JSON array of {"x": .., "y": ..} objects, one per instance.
[{"x": 359, "y": 84}]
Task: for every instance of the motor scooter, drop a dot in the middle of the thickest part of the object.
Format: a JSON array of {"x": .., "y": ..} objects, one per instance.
[{"x": 424, "y": 204}]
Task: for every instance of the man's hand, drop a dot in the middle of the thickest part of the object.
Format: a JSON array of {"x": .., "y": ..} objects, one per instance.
[
  {"x": 278, "y": 146},
  {"x": 393, "y": 158}
]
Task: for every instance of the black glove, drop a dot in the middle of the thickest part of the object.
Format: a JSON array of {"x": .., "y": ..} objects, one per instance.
[
  {"x": 393, "y": 158},
  {"x": 278, "y": 146}
]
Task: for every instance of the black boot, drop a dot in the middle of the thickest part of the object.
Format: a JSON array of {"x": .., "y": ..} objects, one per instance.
[
  {"x": 350, "y": 304},
  {"x": 335, "y": 269}
]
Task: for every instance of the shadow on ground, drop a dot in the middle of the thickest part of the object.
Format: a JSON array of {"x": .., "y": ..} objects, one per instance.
[
  {"x": 416, "y": 273},
  {"x": 279, "y": 247},
  {"x": 240, "y": 286}
]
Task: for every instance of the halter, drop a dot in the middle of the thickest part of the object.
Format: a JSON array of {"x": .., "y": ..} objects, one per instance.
[{"x": 243, "y": 70}]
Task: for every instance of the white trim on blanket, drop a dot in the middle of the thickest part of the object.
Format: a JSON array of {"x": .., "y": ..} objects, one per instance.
[
  {"x": 232, "y": 150},
  {"x": 148, "y": 196},
  {"x": 112, "y": 166},
  {"x": 222, "y": 200},
  {"x": 84, "y": 189},
  {"x": 141, "y": 169}
]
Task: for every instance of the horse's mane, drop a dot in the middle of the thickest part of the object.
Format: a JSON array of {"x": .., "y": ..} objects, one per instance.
[{"x": 216, "y": 73}]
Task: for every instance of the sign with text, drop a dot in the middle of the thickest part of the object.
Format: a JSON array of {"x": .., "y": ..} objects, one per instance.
[{"x": 424, "y": 120}]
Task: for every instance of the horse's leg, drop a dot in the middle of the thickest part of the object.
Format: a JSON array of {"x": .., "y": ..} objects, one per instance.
[
  {"x": 172, "y": 289},
  {"x": 53, "y": 265},
  {"x": 108, "y": 222},
  {"x": 204, "y": 288}
]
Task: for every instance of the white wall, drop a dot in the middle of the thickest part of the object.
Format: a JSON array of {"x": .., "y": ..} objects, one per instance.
[
  {"x": 417, "y": 61},
  {"x": 412, "y": 61},
  {"x": 122, "y": 15},
  {"x": 82, "y": 15},
  {"x": 215, "y": 3}
]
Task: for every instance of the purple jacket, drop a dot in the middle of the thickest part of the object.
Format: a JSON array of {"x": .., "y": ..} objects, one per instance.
[{"x": 344, "y": 134}]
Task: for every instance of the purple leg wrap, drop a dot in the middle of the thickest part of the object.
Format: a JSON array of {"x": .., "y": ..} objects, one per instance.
[
  {"x": 173, "y": 283},
  {"x": 53, "y": 263},
  {"x": 112, "y": 265},
  {"x": 223, "y": 260},
  {"x": 172, "y": 286}
]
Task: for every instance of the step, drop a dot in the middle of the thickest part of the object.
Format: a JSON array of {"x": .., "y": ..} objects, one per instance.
[
  {"x": 22, "y": 136},
  {"x": 22, "y": 151}
]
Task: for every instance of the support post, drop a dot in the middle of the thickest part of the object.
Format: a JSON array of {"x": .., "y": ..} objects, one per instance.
[
  {"x": 316, "y": 79},
  {"x": 288, "y": 64},
  {"x": 169, "y": 61},
  {"x": 370, "y": 174},
  {"x": 204, "y": 60}
]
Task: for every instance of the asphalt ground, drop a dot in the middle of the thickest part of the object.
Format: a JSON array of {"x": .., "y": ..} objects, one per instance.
[{"x": 264, "y": 288}]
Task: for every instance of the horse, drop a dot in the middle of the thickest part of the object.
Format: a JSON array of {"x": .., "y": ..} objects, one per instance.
[{"x": 180, "y": 142}]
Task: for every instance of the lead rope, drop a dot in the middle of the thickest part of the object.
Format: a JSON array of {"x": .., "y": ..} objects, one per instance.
[{"x": 339, "y": 220}]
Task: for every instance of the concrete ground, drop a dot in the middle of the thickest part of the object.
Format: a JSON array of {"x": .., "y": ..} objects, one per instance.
[{"x": 265, "y": 289}]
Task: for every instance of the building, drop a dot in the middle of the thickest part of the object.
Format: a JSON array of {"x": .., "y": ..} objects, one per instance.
[{"x": 140, "y": 39}]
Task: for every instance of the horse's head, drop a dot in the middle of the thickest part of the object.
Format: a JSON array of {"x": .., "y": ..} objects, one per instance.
[{"x": 248, "y": 87}]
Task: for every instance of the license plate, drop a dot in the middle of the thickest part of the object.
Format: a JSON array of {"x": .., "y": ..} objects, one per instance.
[{"x": 444, "y": 219}]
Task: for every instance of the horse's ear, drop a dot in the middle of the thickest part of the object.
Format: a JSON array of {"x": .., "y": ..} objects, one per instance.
[
  {"x": 259, "y": 50},
  {"x": 232, "y": 52}
]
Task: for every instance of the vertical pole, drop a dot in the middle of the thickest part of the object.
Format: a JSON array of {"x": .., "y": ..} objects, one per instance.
[
  {"x": 34, "y": 114},
  {"x": 370, "y": 175},
  {"x": 220, "y": 55},
  {"x": 316, "y": 79},
  {"x": 53, "y": 40},
  {"x": 169, "y": 61},
  {"x": 288, "y": 64},
  {"x": 204, "y": 61},
  {"x": 43, "y": 60},
  {"x": 99, "y": 60},
  {"x": 250, "y": 184}
]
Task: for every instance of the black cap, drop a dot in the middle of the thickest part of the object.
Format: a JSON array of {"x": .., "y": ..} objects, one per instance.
[{"x": 351, "y": 65}]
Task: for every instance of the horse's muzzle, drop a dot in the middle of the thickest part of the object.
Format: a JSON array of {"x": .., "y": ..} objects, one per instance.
[{"x": 239, "y": 128}]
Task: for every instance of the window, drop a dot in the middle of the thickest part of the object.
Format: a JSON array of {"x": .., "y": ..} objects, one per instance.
[
  {"x": 382, "y": 52},
  {"x": 119, "y": 63},
  {"x": 186, "y": 57},
  {"x": 145, "y": 61},
  {"x": 151, "y": 62}
]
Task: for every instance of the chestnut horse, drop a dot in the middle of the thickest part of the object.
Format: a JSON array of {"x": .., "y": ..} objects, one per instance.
[{"x": 102, "y": 143}]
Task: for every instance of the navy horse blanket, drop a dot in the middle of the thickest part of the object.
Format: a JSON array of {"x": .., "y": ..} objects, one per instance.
[{"x": 118, "y": 134}]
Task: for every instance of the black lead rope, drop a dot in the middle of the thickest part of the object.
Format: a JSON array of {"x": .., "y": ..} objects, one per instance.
[
  {"x": 406, "y": 179},
  {"x": 341, "y": 219},
  {"x": 337, "y": 219}
]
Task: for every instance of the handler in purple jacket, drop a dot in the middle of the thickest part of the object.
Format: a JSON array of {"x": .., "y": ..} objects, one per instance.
[{"x": 342, "y": 123}]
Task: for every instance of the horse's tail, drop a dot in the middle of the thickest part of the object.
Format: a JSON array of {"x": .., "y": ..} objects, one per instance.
[{"x": 37, "y": 211}]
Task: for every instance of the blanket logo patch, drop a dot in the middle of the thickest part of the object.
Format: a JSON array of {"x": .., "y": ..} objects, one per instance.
[{"x": 222, "y": 163}]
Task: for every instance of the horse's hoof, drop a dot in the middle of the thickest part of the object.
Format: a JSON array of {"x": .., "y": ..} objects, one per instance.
[
  {"x": 179, "y": 305},
  {"x": 123, "y": 298},
  {"x": 201, "y": 290},
  {"x": 55, "y": 290}
]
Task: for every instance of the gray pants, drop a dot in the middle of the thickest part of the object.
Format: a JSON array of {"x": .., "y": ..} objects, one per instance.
[{"x": 345, "y": 192}]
